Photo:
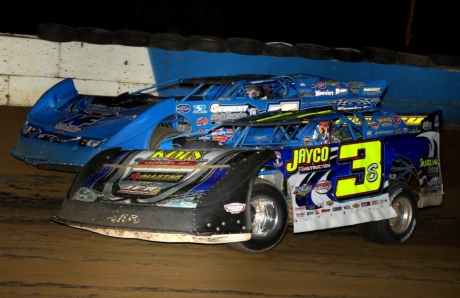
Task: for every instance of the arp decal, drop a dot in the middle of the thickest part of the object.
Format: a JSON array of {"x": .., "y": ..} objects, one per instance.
[
  {"x": 183, "y": 108},
  {"x": 143, "y": 189}
]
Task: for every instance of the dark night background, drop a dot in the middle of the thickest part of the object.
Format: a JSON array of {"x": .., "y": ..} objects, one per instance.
[{"x": 353, "y": 24}]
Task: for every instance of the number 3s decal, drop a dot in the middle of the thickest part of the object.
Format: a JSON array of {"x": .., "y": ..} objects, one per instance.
[{"x": 366, "y": 177}]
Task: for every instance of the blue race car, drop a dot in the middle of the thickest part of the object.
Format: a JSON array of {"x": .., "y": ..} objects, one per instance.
[
  {"x": 243, "y": 181},
  {"x": 64, "y": 129}
]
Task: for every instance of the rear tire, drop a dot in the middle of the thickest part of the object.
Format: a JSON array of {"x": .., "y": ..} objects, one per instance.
[
  {"x": 269, "y": 218},
  {"x": 399, "y": 229},
  {"x": 159, "y": 134}
]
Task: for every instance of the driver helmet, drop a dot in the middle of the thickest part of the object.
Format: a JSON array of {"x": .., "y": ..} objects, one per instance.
[{"x": 253, "y": 91}]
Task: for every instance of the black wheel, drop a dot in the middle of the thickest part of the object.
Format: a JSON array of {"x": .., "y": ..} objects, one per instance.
[
  {"x": 399, "y": 229},
  {"x": 55, "y": 32},
  {"x": 134, "y": 38},
  {"x": 348, "y": 54},
  {"x": 412, "y": 59},
  {"x": 169, "y": 41},
  {"x": 281, "y": 49},
  {"x": 94, "y": 35},
  {"x": 208, "y": 43},
  {"x": 269, "y": 218},
  {"x": 380, "y": 55},
  {"x": 245, "y": 46},
  {"x": 313, "y": 51},
  {"x": 159, "y": 134}
]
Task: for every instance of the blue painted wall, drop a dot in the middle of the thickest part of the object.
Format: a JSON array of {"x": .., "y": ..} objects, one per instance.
[{"x": 410, "y": 88}]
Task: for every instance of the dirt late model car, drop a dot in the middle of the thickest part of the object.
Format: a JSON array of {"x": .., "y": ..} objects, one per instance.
[
  {"x": 242, "y": 182},
  {"x": 64, "y": 129}
]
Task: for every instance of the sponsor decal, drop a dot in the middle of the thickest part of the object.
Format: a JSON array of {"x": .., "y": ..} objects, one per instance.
[
  {"x": 219, "y": 138},
  {"x": 354, "y": 86},
  {"x": 235, "y": 208},
  {"x": 384, "y": 121},
  {"x": 374, "y": 202},
  {"x": 199, "y": 109},
  {"x": 305, "y": 93},
  {"x": 142, "y": 189},
  {"x": 321, "y": 85},
  {"x": 332, "y": 83},
  {"x": 356, "y": 205},
  {"x": 347, "y": 207},
  {"x": 309, "y": 159},
  {"x": 285, "y": 105},
  {"x": 310, "y": 212},
  {"x": 337, "y": 208},
  {"x": 170, "y": 177},
  {"x": 303, "y": 190},
  {"x": 426, "y": 125},
  {"x": 371, "y": 89},
  {"x": 330, "y": 203},
  {"x": 399, "y": 130},
  {"x": 396, "y": 118},
  {"x": 300, "y": 214},
  {"x": 162, "y": 157},
  {"x": 317, "y": 212},
  {"x": 340, "y": 90},
  {"x": 375, "y": 125},
  {"x": 202, "y": 121},
  {"x": 125, "y": 218},
  {"x": 412, "y": 119},
  {"x": 324, "y": 93},
  {"x": 384, "y": 132},
  {"x": 183, "y": 108},
  {"x": 323, "y": 186},
  {"x": 67, "y": 128},
  {"x": 427, "y": 162},
  {"x": 279, "y": 159},
  {"x": 325, "y": 210},
  {"x": 436, "y": 121},
  {"x": 217, "y": 108},
  {"x": 364, "y": 204}
]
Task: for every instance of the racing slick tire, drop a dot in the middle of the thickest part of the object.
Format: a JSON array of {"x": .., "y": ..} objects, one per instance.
[
  {"x": 412, "y": 59},
  {"x": 380, "y": 55},
  {"x": 448, "y": 60},
  {"x": 313, "y": 51},
  {"x": 348, "y": 54},
  {"x": 281, "y": 49},
  {"x": 169, "y": 41},
  {"x": 159, "y": 134},
  {"x": 55, "y": 32},
  {"x": 94, "y": 35},
  {"x": 134, "y": 38},
  {"x": 205, "y": 43},
  {"x": 245, "y": 46},
  {"x": 399, "y": 229},
  {"x": 269, "y": 218}
]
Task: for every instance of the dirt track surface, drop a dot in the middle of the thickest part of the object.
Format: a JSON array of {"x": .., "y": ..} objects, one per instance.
[{"x": 39, "y": 258}]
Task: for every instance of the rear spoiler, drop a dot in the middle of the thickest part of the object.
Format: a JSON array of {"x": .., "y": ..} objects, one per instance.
[{"x": 425, "y": 122}]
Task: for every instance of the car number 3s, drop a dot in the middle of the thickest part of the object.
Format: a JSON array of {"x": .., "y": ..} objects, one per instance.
[{"x": 366, "y": 178}]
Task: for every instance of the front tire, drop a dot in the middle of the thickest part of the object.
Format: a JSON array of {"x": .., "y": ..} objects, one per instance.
[
  {"x": 399, "y": 229},
  {"x": 159, "y": 134},
  {"x": 269, "y": 218}
]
